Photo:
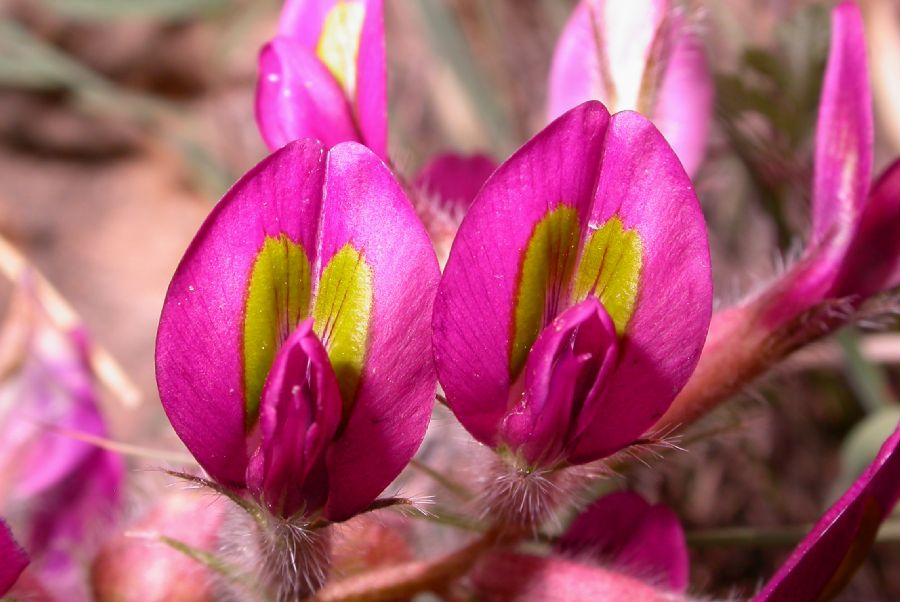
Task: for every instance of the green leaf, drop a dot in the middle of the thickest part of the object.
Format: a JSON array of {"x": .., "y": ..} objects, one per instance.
[
  {"x": 27, "y": 61},
  {"x": 866, "y": 379},
  {"x": 100, "y": 10},
  {"x": 861, "y": 445},
  {"x": 210, "y": 561}
]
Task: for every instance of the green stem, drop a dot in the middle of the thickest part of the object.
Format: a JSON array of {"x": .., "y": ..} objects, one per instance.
[
  {"x": 451, "y": 485},
  {"x": 865, "y": 378}
]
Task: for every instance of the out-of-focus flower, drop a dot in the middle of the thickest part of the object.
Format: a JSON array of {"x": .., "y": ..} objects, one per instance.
[
  {"x": 622, "y": 530},
  {"x": 443, "y": 191},
  {"x": 853, "y": 251},
  {"x": 512, "y": 577},
  {"x": 641, "y": 546},
  {"x": 14, "y": 559},
  {"x": 324, "y": 75},
  {"x": 827, "y": 558},
  {"x": 367, "y": 542},
  {"x": 135, "y": 566},
  {"x": 854, "y": 246},
  {"x": 578, "y": 292},
  {"x": 293, "y": 354},
  {"x": 62, "y": 491},
  {"x": 640, "y": 55}
]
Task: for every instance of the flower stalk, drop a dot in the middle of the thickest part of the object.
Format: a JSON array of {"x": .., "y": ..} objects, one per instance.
[{"x": 408, "y": 579}]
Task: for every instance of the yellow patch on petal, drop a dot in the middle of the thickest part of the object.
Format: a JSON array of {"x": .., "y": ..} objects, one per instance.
[
  {"x": 543, "y": 280},
  {"x": 277, "y": 299},
  {"x": 341, "y": 315},
  {"x": 338, "y": 45},
  {"x": 610, "y": 269}
]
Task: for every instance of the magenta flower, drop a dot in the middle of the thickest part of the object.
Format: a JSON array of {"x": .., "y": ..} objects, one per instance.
[
  {"x": 854, "y": 248},
  {"x": 443, "y": 191},
  {"x": 14, "y": 559},
  {"x": 853, "y": 251},
  {"x": 827, "y": 558},
  {"x": 324, "y": 76},
  {"x": 639, "y": 544},
  {"x": 61, "y": 490},
  {"x": 578, "y": 292},
  {"x": 129, "y": 566},
  {"x": 515, "y": 577},
  {"x": 453, "y": 180},
  {"x": 293, "y": 354},
  {"x": 622, "y": 530},
  {"x": 640, "y": 55}
]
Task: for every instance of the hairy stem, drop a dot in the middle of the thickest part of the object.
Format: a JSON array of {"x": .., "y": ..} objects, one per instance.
[
  {"x": 724, "y": 368},
  {"x": 741, "y": 347}
]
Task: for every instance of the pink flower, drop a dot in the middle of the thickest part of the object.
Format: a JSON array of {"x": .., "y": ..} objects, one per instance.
[
  {"x": 61, "y": 490},
  {"x": 640, "y": 55},
  {"x": 853, "y": 251},
  {"x": 324, "y": 75},
  {"x": 513, "y": 577},
  {"x": 624, "y": 531},
  {"x": 443, "y": 191},
  {"x": 14, "y": 559},
  {"x": 854, "y": 248},
  {"x": 577, "y": 296},
  {"x": 293, "y": 354}
]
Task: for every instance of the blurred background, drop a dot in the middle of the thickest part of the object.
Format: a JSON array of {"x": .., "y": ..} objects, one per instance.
[{"x": 122, "y": 122}]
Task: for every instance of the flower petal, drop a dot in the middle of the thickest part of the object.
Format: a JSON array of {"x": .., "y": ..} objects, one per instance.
[
  {"x": 246, "y": 282},
  {"x": 684, "y": 105},
  {"x": 445, "y": 188},
  {"x": 575, "y": 75},
  {"x": 298, "y": 97},
  {"x": 237, "y": 294},
  {"x": 843, "y": 165},
  {"x": 623, "y": 530},
  {"x": 844, "y": 134},
  {"x": 300, "y": 412},
  {"x": 872, "y": 263},
  {"x": 630, "y": 31},
  {"x": 826, "y": 559},
  {"x": 14, "y": 559},
  {"x": 564, "y": 378},
  {"x": 52, "y": 385},
  {"x": 347, "y": 36},
  {"x": 68, "y": 521},
  {"x": 532, "y": 205},
  {"x": 603, "y": 52},
  {"x": 513, "y": 577},
  {"x": 369, "y": 225},
  {"x": 643, "y": 186},
  {"x": 636, "y": 55},
  {"x": 453, "y": 180},
  {"x": 371, "y": 91},
  {"x": 127, "y": 568},
  {"x": 304, "y": 19}
]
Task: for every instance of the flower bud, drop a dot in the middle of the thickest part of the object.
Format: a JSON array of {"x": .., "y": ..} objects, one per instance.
[{"x": 134, "y": 566}]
